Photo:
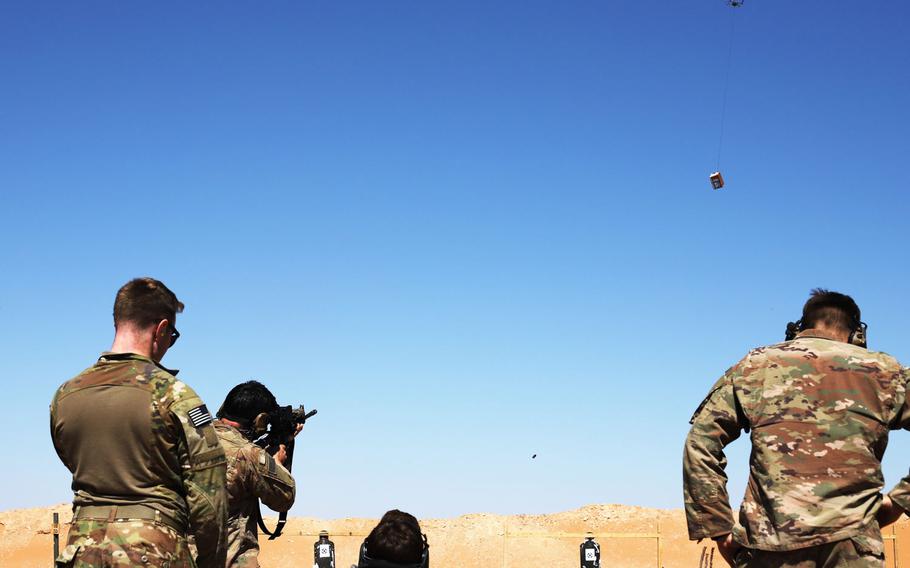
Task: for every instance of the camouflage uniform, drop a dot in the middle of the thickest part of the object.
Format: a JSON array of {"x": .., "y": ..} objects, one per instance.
[
  {"x": 855, "y": 552},
  {"x": 819, "y": 411},
  {"x": 147, "y": 467},
  {"x": 252, "y": 475},
  {"x": 93, "y": 543}
]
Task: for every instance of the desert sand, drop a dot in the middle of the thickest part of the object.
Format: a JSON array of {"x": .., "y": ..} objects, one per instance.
[{"x": 628, "y": 537}]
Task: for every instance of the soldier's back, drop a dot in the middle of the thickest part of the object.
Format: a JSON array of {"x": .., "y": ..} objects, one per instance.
[
  {"x": 820, "y": 412},
  {"x": 111, "y": 427}
]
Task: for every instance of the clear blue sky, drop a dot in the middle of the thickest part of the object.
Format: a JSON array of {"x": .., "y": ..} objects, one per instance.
[{"x": 466, "y": 232}]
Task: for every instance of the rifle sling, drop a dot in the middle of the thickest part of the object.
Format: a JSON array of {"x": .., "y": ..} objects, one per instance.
[
  {"x": 282, "y": 517},
  {"x": 282, "y": 520}
]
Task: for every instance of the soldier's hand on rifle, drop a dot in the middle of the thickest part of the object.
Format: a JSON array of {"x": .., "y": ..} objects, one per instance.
[
  {"x": 291, "y": 437},
  {"x": 281, "y": 455}
]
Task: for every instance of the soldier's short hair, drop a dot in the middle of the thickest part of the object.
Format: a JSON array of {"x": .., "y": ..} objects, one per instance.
[
  {"x": 246, "y": 401},
  {"x": 144, "y": 302},
  {"x": 833, "y": 309},
  {"x": 397, "y": 538}
]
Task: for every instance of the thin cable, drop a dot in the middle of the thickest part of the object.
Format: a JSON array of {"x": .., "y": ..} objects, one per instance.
[{"x": 723, "y": 107}]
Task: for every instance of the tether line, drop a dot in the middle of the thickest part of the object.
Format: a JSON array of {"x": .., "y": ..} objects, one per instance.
[{"x": 723, "y": 107}]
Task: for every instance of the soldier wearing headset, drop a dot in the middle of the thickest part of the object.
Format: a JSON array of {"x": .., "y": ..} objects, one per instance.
[
  {"x": 396, "y": 542},
  {"x": 819, "y": 407}
]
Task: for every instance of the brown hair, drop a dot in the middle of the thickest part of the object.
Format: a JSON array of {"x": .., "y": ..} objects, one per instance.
[
  {"x": 396, "y": 538},
  {"x": 832, "y": 309},
  {"x": 144, "y": 302}
]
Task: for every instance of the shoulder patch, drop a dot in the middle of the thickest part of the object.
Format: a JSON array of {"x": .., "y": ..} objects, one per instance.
[{"x": 200, "y": 416}]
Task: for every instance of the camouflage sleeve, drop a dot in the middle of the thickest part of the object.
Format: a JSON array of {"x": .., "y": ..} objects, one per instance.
[
  {"x": 203, "y": 472},
  {"x": 270, "y": 481},
  {"x": 715, "y": 424},
  {"x": 57, "y": 447},
  {"x": 901, "y": 492}
]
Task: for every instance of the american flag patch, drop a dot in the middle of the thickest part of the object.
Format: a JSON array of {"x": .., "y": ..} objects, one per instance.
[{"x": 200, "y": 416}]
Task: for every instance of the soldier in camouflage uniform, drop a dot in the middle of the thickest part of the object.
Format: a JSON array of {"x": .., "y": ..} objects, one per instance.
[
  {"x": 147, "y": 467},
  {"x": 252, "y": 473},
  {"x": 819, "y": 408}
]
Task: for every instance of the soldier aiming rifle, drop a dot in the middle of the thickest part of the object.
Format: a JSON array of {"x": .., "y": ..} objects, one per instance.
[{"x": 258, "y": 439}]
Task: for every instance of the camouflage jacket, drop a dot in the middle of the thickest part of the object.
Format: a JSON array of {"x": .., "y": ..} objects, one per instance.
[
  {"x": 252, "y": 475},
  {"x": 819, "y": 412},
  {"x": 132, "y": 434}
]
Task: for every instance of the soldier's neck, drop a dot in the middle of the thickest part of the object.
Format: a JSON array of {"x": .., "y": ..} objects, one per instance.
[
  {"x": 837, "y": 333},
  {"x": 231, "y": 423},
  {"x": 128, "y": 339}
]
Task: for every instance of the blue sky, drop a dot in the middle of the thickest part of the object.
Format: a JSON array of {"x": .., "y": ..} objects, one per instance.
[{"x": 466, "y": 232}]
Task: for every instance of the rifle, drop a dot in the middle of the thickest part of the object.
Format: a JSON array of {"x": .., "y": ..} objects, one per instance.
[{"x": 274, "y": 429}]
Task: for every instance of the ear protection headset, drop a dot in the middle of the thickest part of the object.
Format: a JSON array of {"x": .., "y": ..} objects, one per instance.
[
  {"x": 857, "y": 335},
  {"x": 366, "y": 562}
]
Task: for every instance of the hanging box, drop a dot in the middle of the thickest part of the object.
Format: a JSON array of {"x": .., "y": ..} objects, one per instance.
[{"x": 717, "y": 180}]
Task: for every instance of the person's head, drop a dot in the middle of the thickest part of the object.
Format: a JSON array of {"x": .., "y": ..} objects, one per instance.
[
  {"x": 145, "y": 317},
  {"x": 395, "y": 541},
  {"x": 245, "y": 402},
  {"x": 831, "y": 311}
]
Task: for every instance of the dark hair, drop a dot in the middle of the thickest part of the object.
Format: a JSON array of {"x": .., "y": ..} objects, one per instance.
[
  {"x": 397, "y": 538},
  {"x": 246, "y": 401},
  {"x": 144, "y": 302},
  {"x": 831, "y": 309}
]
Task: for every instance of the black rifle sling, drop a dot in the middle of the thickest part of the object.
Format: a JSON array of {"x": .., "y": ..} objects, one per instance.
[
  {"x": 282, "y": 517},
  {"x": 282, "y": 520}
]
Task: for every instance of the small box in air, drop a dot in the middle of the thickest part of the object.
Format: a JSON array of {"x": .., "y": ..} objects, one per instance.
[{"x": 717, "y": 180}]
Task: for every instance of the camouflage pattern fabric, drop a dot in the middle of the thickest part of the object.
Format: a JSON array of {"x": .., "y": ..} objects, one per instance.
[
  {"x": 819, "y": 412},
  {"x": 856, "y": 552},
  {"x": 102, "y": 544},
  {"x": 252, "y": 475},
  {"x": 132, "y": 434}
]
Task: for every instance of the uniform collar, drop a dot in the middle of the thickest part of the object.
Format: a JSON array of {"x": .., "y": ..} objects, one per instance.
[
  {"x": 816, "y": 333},
  {"x": 111, "y": 356},
  {"x": 224, "y": 426}
]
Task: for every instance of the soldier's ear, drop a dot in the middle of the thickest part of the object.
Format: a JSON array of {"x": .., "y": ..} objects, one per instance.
[
  {"x": 161, "y": 340},
  {"x": 161, "y": 330}
]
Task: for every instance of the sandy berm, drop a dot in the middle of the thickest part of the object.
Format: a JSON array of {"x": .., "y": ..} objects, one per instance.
[{"x": 627, "y": 535}]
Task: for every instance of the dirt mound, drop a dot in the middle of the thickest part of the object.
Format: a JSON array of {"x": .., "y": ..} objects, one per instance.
[{"x": 630, "y": 537}]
